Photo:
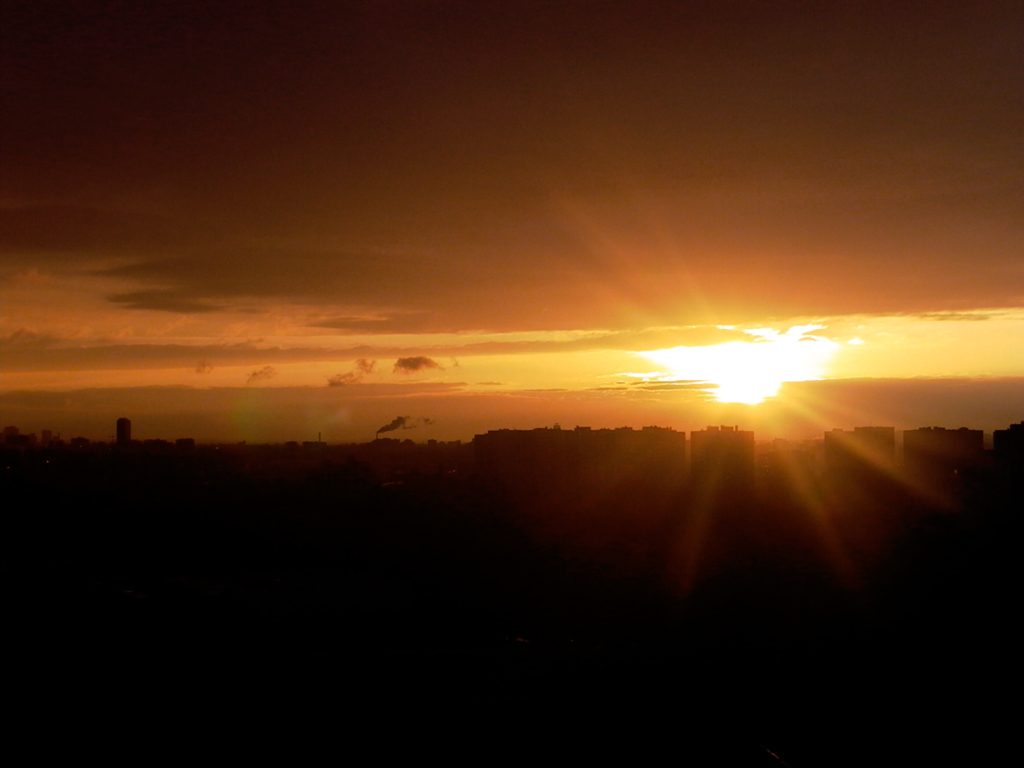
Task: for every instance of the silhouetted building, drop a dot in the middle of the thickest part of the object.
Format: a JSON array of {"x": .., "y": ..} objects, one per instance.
[
  {"x": 527, "y": 460},
  {"x": 11, "y": 435},
  {"x": 788, "y": 467},
  {"x": 722, "y": 459},
  {"x": 124, "y": 432},
  {"x": 937, "y": 455},
  {"x": 14, "y": 439},
  {"x": 185, "y": 444},
  {"x": 1008, "y": 444},
  {"x": 582, "y": 459},
  {"x": 864, "y": 450},
  {"x": 393, "y": 460}
]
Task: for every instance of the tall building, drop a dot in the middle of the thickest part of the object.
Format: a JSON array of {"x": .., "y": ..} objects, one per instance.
[
  {"x": 865, "y": 449},
  {"x": 124, "y": 432},
  {"x": 722, "y": 459},
  {"x": 581, "y": 459},
  {"x": 938, "y": 454},
  {"x": 1008, "y": 444}
]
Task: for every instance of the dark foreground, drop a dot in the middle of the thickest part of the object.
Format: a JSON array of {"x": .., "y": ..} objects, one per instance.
[{"x": 859, "y": 623}]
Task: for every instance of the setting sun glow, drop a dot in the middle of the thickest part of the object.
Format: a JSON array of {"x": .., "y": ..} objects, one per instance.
[{"x": 750, "y": 371}]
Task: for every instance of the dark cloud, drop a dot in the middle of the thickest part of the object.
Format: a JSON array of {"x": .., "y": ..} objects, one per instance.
[
  {"x": 26, "y": 350},
  {"x": 404, "y": 322},
  {"x": 959, "y": 316},
  {"x": 264, "y": 373},
  {"x": 52, "y": 354},
  {"x": 413, "y": 364},
  {"x": 163, "y": 301},
  {"x": 522, "y": 167},
  {"x": 574, "y": 284},
  {"x": 360, "y": 324}
]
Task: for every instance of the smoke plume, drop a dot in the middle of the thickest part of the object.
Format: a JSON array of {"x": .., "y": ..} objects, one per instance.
[
  {"x": 399, "y": 422},
  {"x": 264, "y": 373},
  {"x": 363, "y": 368},
  {"x": 341, "y": 379},
  {"x": 406, "y": 422}
]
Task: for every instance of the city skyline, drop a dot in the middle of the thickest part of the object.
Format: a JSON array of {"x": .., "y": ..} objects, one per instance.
[{"x": 879, "y": 446}]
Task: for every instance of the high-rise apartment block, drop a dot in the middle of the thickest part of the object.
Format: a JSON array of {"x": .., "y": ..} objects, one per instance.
[
  {"x": 124, "y": 432},
  {"x": 938, "y": 453},
  {"x": 1008, "y": 444},
  {"x": 583, "y": 459},
  {"x": 723, "y": 457},
  {"x": 865, "y": 449}
]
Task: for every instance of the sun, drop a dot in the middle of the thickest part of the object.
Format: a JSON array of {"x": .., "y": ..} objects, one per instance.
[{"x": 750, "y": 371}]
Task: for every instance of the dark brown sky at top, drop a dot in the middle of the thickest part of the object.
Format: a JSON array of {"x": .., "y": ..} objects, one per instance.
[{"x": 519, "y": 166}]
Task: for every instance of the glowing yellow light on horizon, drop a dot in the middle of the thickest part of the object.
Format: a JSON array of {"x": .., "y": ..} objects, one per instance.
[{"x": 750, "y": 371}]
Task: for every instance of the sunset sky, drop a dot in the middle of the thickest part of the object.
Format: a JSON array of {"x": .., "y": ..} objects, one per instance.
[{"x": 269, "y": 220}]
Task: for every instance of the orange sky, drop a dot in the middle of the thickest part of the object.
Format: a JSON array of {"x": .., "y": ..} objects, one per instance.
[{"x": 248, "y": 197}]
